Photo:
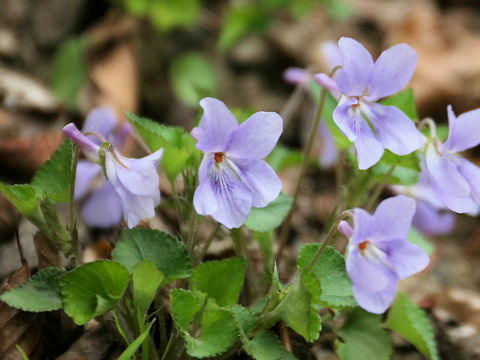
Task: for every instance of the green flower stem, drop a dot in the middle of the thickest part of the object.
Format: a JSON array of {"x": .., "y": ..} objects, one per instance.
[
  {"x": 176, "y": 203},
  {"x": 207, "y": 244},
  {"x": 119, "y": 328},
  {"x": 305, "y": 161},
  {"x": 72, "y": 185},
  {"x": 428, "y": 122},
  {"x": 168, "y": 346},
  {"x": 329, "y": 237},
  {"x": 378, "y": 190},
  {"x": 191, "y": 235},
  {"x": 74, "y": 250},
  {"x": 161, "y": 321},
  {"x": 240, "y": 244}
]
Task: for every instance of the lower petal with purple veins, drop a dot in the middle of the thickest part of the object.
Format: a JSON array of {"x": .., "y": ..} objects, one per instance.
[
  {"x": 348, "y": 118},
  {"x": 369, "y": 149},
  {"x": 233, "y": 197},
  {"x": 366, "y": 273}
]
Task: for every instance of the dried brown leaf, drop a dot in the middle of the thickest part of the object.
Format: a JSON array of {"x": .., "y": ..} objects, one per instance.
[
  {"x": 94, "y": 344},
  {"x": 47, "y": 253}
]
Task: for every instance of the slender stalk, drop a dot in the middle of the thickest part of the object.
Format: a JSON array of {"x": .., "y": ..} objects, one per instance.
[
  {"x": 74, "y": 245},
  {"x": 208, "y": 242},
  {"x": 333, "y": 229},
  {"x": 161, "y": 321},
  {"x": 72, "y": 186},
  {"x": 306, "y": 157},
  {"x": 20, "y": 250},
  {"x": 119, "y": 328},
  {"x": 176, "y": 204},
  {"x": 193, "y": 230},
  {"x": 168, "y": 346},
  {"x": 340, "y": 176},
  {"x": 431, "y": 125},
  {"x": 378, "y": 189},
  {"x": 240, "y": 244}
]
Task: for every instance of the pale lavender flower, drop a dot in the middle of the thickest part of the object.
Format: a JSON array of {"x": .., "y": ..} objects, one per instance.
[
  {"x": 455, "y": 180},
  {"x": 135, "y": 181},
  {"x": 103, "y": 207},
  {"x": 297, "y": 76},
  {"x": 431, "y": 216},
  {"x": 232, "y": 176},
  {"x": 332, "y": 54},
  {"x": 328, "y": 150},
  {"x": 359, "y": 84},
  {"x": 379, "y": 254}
]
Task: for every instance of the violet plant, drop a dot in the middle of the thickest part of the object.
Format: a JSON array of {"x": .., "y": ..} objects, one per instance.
[{"x": 233, "y": 191}]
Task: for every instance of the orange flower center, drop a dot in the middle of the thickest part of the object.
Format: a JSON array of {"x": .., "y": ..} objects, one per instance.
[
  {"x": 363, "y": 245},
  {"x": 218, "y": 157}
]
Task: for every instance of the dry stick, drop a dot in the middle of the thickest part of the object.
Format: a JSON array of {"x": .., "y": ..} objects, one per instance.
[
  {"x": 292, "y": 104},
  {"x": 298, "y": 185},
  {"x": 20, "y": 250},
  {"x": 284, "y": 337},
  {"x": 378, "y": 190}
]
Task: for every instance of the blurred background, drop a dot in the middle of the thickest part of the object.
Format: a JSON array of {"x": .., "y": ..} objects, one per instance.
[{"x": 158, "y": 58}]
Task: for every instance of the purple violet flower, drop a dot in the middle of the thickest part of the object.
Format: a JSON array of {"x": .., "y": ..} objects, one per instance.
[
  {"x": 431, "y": 216},
  {"x": 103, "y": 208},
  {"x": 379, "y": 254},
  {"x": 361, "y": 83},
  {"x": 135, "y": 181},
  {"x": 232, "y": 176},
  {"x": 328, "y": 150},
  {"x": 297, "y": 76},
  {"x": 455, "y": 180}
]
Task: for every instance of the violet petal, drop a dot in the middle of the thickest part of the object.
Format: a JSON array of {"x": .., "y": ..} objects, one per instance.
[
  {"x": 354, "y": 76},
  {"x": 392, "y": 71},
  {"x": 464, "y": 131},
  {"x": 404, "y": 257},
  {"x": 256, "y": 137},
  {"x": 393, "y": 218},
  {"x": 102, "y": 121},
  {"x": 215, "y": 127}
]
